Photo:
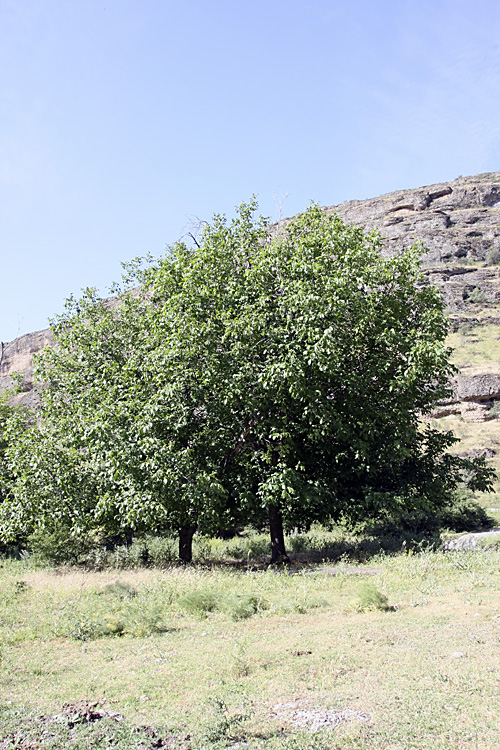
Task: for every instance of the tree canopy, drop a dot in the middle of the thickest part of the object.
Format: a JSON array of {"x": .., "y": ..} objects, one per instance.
[{"x": 268, "y": 375}]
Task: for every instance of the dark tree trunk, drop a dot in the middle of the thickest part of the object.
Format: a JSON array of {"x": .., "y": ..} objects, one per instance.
[
  {"x": 278, "y": 551},
  {"x": 186, "y": 534}
]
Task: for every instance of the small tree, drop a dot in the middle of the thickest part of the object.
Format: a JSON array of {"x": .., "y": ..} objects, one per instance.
[{"x": 263, "y": 375}]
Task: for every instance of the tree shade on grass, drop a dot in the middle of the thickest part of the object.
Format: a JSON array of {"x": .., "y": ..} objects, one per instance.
[{"x": 268, "y": 375}]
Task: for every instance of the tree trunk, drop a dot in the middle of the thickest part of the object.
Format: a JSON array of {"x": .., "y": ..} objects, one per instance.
[
  {"x": 278, "y": 551},
  {"x": 186, "y": 534}
]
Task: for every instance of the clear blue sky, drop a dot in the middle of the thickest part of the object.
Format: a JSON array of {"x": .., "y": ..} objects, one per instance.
[{"x": 121, "y": 120}]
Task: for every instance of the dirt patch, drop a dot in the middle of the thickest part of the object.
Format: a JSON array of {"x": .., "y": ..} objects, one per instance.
[
  {"x": 302, "y": 714},
  {"x": 82, "y": 712},
  {"x": 41, "y": 730}
]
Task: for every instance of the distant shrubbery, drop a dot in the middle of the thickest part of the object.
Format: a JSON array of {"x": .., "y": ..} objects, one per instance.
[
  {"x": 465, "y": 514},
  {"x": 253, "y": 547}
]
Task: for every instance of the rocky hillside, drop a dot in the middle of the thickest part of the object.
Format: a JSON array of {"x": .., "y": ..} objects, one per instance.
[{"x": 459, "y": 224}]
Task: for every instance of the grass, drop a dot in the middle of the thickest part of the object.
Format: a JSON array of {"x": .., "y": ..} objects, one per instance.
[
  {"x": 414, "y": 644},
  {"x": 477, "y": 351}
]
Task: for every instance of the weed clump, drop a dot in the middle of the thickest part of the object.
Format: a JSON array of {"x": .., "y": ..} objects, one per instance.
[
  {"x": 370, "y": 598},
  {"x": 243, "y": 606},
  {"x": 493, "y": 256},
  {"x": 121, "y": 590},
  {"x": 221, "y": 725},
  {"x": 200, "y": 602}
]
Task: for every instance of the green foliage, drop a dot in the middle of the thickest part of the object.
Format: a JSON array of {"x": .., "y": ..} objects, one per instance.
[
  {"x": 264, "y": 371},
  {"x": 462, "y": 513},
  {"x": 59, "y": 545},
  {"x": 493, "y": 256},
  {"x": 120, "y": 589},
  {"x": 121, "y": 611},
  {"x": 494, "y": 412},
  {"x": 220, "y": 724},
  {"x": 369, "y": 597},
  {"x": 202, "y": 601},
  {"x": 465, "y": 329},
  {"x": 476, "y": 296},
  {"x": 243, "y": 606},
  {"x": 147, "y": 551}
]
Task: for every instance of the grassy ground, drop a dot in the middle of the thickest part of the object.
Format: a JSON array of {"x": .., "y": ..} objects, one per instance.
[
  {"x": 403, "y": 655},
  {"x": 477, "y": 350}
]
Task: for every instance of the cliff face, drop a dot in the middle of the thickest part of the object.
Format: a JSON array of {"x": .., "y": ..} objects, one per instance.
[
  {"x": 459, "y": 224},
  {"x": 456, "y": 221},
  {"x": 17, "y": 357}
]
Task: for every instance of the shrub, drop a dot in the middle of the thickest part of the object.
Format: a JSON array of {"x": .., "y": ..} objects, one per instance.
[
  {"x": 143, "y": 618},
  {"x": 58, "y": 545},
  {"x": 82, "y": 628},
  {"x": 476, "y": 296},
  {"x": 121, "y": 590},
  {"x": 493, "y": 256},
  {"x": 243, "y": 606},
  {"x": 464, "y": 329},
  {"x": 494, "y": 412},
  {"x": 369, "y": 597},
  {"x": 201, "y": 602},
  {"x": 465, "y": 515}
]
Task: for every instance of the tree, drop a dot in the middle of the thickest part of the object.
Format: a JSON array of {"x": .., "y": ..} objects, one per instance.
[
  {"x": 312, "y": 359},
  {"x": 264, "y": 375}
]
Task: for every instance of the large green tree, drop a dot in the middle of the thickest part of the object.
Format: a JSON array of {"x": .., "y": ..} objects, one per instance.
[{"x": 273, "y": 374}]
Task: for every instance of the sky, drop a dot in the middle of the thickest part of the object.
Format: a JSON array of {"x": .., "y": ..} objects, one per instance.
[{"x": 123, "y": 122}]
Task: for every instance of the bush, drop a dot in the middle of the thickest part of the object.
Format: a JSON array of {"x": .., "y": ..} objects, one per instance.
[
  {"x": 465, "y": 515},
  {"x": 244, "y": 606},
  {"x": 494, "y": 412},
  {"x": 201, "y": 602},
  {"x": 465, "y": 329},
  {"x": 121, "y": 590},
  {"x": 239, "y": 607},
  {"x": 476, "y": 296},
  {"x": 369, "y": 597},
  {"x": 59, "y": 546},
  {"x": 493, "y": 256},
  {"x": 117, "y": 609}
]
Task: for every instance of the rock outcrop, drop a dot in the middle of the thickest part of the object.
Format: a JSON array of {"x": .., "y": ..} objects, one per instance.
[
  {"x": 459, "y": 225},
  {"x": 455, "y": 221},
  {"x": 17, "y": 357}
]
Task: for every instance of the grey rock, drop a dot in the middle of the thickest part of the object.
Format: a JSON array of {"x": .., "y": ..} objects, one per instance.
[
  {"x": 469, "y": 541},
  {"x": 455, "y": 220},
  {"x": 477, "y": 387}
]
